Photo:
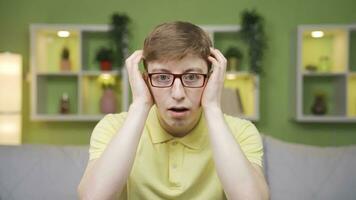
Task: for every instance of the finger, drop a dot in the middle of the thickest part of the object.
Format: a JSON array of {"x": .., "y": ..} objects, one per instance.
[
  {"x": 222, "y": 63},
  {"x": 213, "y": 61},
  {"x": 218, "y": 55},
  {"x": 217, "y": 69},
  {"x": 215, "y": 64},
  {"x": 132, "y": 62},
  {"x": 135, "y": 53},
  {"x": 137, "y": 56},
  {"x": 222, "y": 58},
  {"x": 134, "y": 58},
  {"x": 214, "y": 52}
]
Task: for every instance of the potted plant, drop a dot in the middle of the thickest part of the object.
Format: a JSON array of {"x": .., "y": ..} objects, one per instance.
[
  {"x": 105, "y": 58},
  {"x": 252, "y": 32},
  {"x": 319, "y": 106},
  {"x": 65, "y": 60},
  {"x": 119, "y": 33},
  {"x": 234, "y": 58}
]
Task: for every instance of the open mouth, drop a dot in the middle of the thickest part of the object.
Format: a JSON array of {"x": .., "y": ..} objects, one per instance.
[
  {"x": 178, "y": 109},
  {"x": 178, "y": 112}
]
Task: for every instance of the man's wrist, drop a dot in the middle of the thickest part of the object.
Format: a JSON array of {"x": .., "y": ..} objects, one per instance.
[
  {"x": 212, "y": 110},
  {"x": 140, "y": 107}
]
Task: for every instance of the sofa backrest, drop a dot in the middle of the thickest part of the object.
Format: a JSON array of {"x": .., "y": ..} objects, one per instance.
[
  {"x": 303, "y": 172},
  {"x": 293, "y": 171},
  {"x": 41, "y": 171}
]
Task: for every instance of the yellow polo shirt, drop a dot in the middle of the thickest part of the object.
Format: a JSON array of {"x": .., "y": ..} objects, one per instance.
[{"x": 166, "y": 167}]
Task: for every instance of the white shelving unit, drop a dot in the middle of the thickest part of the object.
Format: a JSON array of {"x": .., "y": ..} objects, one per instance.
[
  {"x": 326, "y": 65},
  {"x": 48, "y": 82},
  {"x": 241, "y": 94}
]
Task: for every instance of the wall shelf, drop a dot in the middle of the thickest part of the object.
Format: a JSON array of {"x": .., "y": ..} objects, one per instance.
[
  {"x": 241, "y": 88},
  {"x": 80, "y": 82},
  {"x": 325, "y": 66}
]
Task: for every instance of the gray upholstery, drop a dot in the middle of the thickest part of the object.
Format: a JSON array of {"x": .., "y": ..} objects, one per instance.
[
  {"x": 294, "y": 171},
  {"x": 301, "y": 172},
  {"x": 36, "y": 172}
]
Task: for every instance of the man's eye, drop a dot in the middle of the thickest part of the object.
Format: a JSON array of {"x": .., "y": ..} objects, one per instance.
[
  {"x": 192, "y": 77},
  {"x": 163, "y": 77}
]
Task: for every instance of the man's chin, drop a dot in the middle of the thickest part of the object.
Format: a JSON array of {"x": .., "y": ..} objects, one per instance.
[{"x": 177, "y": 122}]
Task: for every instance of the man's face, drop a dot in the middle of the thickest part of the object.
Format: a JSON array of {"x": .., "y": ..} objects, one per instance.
[{"x": 179, "y": 107}]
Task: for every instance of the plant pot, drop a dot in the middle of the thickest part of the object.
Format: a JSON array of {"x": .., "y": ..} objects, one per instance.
[
  {"x": 233, "y": 64},
  {"x": 65, "y": 65},
  {"x": 105, "y": 65},
  {"x": 108, "y": 101}
]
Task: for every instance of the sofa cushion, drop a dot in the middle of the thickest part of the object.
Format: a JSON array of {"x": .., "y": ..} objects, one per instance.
[
  {"x": 41, "y": 171},
  {"x": 296, "y": 171},
  {"x": 293, "y": 171}
]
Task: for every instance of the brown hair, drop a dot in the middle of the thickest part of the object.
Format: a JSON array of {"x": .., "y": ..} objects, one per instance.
[{"x": 174, "y": 41}]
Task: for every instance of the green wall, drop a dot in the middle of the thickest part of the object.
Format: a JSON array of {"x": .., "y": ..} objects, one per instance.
[{"x": 281, "y": 18}]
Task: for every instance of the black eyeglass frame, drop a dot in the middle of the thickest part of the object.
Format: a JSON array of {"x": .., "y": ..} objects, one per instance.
[{"x": 180, "y": 78}]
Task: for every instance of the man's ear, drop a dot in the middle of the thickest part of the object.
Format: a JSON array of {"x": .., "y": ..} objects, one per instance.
[
  {"x": 145, "y": 77},
  {"x": 144, "y": 64}
]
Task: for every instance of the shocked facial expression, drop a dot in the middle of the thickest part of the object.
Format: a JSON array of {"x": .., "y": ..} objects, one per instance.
[{"x": 178, "y": 100}]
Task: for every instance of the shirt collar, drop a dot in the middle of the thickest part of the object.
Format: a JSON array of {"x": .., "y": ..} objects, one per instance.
[{"x": 196, "y": 139}]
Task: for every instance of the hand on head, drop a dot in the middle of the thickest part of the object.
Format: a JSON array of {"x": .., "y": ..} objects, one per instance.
[
  {"x": 213, "y": 89},
  {"x": 140, "y": 90}
]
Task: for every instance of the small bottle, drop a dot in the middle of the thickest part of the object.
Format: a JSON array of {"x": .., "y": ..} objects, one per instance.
[{"x": 64, "y": 104}]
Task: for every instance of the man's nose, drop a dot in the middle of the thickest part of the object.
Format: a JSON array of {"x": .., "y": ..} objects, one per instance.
[{"x": 178, "y": 92}]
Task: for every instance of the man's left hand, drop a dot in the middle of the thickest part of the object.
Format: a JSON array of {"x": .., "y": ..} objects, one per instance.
[{"x": 213, "y": 90}]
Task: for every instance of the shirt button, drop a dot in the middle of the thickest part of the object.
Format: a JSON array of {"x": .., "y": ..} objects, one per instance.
[
  {"x": 174, "y": 166},
  {"x": 174, "y": 143}
]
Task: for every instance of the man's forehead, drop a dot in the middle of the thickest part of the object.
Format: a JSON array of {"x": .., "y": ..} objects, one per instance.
[
  {"x": 184, "y": 65},
  {"x": 188, "y": 69}
]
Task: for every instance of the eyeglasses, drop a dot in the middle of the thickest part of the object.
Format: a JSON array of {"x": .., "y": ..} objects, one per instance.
[{"x": 191, "y": 80}]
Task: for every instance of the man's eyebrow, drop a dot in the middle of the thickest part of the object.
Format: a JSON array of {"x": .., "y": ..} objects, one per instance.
[
  {"x": 193, "y": 70},
  {"x": 160, "y": 70},
  {"x": 197, "y": 70}
]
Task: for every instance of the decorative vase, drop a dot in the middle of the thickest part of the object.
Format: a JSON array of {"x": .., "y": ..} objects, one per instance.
[
  {"x": 319, "y": 106},
  {"x": 105, "y": 65},
  {"x": 65, "y": 65},
  {"x": 108, "y": 101}
]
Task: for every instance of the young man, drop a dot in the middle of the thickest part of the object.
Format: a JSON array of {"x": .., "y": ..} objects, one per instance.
[{"x": 175, "y": 142}]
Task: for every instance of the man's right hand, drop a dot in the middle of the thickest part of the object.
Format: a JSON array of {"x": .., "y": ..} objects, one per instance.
[{"x": 140, "y": 91}]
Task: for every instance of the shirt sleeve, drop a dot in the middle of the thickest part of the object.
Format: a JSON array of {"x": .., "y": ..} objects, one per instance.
[
  {"x": 103, "y": 132},
  {"x": 250, "y": 140}
]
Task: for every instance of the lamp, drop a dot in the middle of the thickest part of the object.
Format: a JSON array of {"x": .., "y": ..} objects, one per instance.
[{"x": 10, "y": 98}]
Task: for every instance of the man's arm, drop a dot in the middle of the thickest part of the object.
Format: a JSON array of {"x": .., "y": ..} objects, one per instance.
[
  {"x": 107, "y": 175},
  {"x": 240, "y": 178}
]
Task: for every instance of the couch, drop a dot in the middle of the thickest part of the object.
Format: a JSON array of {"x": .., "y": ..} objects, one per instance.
[{"x": 293, "y": 171}]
